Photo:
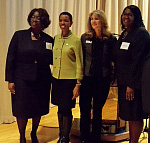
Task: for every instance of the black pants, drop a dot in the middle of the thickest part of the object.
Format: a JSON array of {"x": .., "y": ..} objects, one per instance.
[{"x": 94, "y": 93}]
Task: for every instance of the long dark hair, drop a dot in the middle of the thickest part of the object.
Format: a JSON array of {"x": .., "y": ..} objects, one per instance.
[{"x": 137, "y": 16}]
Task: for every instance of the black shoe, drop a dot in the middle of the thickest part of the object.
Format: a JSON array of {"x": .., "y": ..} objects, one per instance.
[
  {"x": 65, "y": 140},
  {"x": 60, "y": 140},
  {"x": 96, "y": 141},
  {"x": 34, "y": 138},
  {"x": 85, "y": 141}
]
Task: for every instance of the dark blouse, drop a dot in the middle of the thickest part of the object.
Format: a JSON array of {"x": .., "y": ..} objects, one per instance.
[{"x": 96, "y": 57}]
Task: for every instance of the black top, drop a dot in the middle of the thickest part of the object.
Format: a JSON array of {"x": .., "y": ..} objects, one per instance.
[{"x": 96, "y": 57}]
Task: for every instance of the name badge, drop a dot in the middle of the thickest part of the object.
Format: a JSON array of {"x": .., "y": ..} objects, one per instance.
[
  {"x": 88, "y": 41},
  {"x": 125, "y": 46},
  {"x": 48, "y": 46}
]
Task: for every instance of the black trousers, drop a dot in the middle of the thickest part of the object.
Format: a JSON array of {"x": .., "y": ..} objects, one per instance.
[{"x": 94, "y": 92}]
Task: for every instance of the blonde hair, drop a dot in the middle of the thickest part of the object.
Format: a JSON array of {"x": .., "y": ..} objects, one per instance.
[{"x": 104, "y": 29}]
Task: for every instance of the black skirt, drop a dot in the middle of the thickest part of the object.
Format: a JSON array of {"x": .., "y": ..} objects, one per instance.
[
  {"x": 62, "y": 92},
  {"x": 31, "y": 99},
  {"x": 130, "y": 110}
]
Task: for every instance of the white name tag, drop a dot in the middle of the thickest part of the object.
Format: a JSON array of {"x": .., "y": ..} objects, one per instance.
[
  {"x": 88, "y": 41},
  {"x": 48, "y": 46},
  {"x": 125, "y": 45}
]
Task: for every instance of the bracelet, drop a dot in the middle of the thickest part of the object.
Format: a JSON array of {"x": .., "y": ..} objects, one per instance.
[{"x": 78, "y": 83}]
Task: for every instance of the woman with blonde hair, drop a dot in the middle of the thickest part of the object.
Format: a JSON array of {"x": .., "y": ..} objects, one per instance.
[{"x": 97, "y": 44}]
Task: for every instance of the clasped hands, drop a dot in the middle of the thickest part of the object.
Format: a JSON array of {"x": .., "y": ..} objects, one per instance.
[
  {"x": 11, "y": 87},
  {"x": 129, "y": 94}
]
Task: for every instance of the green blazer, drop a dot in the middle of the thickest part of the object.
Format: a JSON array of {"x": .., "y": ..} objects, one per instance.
[{"x": 67, "y": 57}]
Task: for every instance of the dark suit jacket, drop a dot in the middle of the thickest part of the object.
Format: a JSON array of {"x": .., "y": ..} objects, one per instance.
[
  {"x": 146, "y": 84},
  {"x": 104, "y": 58},
  {"x": 24, "y": 61},
  {"x": 129, "y": 62}
]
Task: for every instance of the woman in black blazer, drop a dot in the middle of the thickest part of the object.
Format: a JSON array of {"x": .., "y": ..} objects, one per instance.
[
  {"x": 28, "y": 73},
  {"x": 97, "y": 44},
  {"x": 131, "y": 50}
]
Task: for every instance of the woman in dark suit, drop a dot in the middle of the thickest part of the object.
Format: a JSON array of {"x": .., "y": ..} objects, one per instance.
[
  {"x": 131, "y": 50},
  {"x": 28, "y": 73},
  {"x": 97, "y": 46}
]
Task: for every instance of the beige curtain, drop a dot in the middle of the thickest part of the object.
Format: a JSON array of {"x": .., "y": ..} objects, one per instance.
[
  {"x": 114, "y": 8},
  {"x": 5, "y": 98},
  {"x": 18, "y": 10}
]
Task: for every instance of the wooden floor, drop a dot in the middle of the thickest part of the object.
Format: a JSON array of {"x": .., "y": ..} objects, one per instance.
[{"x": 48, "y": 129}]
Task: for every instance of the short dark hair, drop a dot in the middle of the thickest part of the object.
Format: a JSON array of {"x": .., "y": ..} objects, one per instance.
[
  {"x": 137, "y": 16},
  {"x": 66, "y": 13},
  {"x": 44, "y": 17}
]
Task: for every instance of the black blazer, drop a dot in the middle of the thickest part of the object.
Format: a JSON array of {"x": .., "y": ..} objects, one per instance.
[
  {"x": 129, "y": 62},
  {"x": 104, "y": 60},
  {"x": 146, "y": 83},
  {"x": 25, "y": 61}
]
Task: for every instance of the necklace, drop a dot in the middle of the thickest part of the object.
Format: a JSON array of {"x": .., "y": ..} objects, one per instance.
[
  {"x": 35, "y": 36},
  {"x": 124, "y": 35}
]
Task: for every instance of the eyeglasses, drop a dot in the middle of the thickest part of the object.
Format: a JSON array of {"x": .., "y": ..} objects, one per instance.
[
  {"x": 36, "y": 18},
  {"x": 130, "y": 15}
]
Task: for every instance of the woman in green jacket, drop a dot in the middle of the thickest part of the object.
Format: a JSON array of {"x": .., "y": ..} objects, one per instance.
[{"x": 67, "y": 74}]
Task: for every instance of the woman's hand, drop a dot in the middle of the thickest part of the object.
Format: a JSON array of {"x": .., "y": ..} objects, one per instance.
[
  {"x": 129, "y": 93},
  {"x": 76, "y": 91},
  {"x": 11, "y": 87}
]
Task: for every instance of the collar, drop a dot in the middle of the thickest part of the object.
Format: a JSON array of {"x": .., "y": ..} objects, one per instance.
[{"x": 69, "y": 35}]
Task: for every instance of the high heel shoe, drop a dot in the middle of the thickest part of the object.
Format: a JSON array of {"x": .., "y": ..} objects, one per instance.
[{"x": 34, "y": 138}]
